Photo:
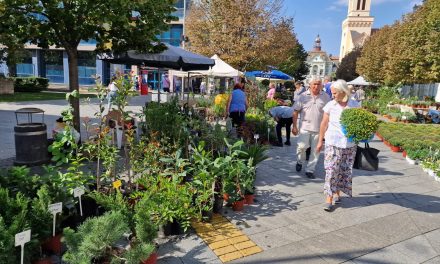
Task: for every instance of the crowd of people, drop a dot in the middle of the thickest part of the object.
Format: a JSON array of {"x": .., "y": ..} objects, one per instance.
[{"x": 314, "y": 118}]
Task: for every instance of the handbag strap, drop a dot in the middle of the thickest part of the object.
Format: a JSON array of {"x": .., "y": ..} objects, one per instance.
[{"x": 367, "y": 145}]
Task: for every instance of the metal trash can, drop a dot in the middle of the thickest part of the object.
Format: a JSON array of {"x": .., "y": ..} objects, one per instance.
[{"x": 30, "y": 138}]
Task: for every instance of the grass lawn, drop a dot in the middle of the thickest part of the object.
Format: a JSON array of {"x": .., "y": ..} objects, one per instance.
[{"x": 21, "y": 97}]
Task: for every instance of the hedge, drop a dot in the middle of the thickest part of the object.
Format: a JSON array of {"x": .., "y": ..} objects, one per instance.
[{"x": 30, "y": 84}]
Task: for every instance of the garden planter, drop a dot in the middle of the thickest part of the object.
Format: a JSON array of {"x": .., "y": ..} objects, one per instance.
[
  {"x": 238, "y": 205},
  {"x": 218, "y": 204},
  {"x": 404, "y": 154},
  {"x": 249, "y": 198},
  {"x": 53, "y": 244},
  {"x": 152, "y": 259},
  {"x": 226, "y": 197}
]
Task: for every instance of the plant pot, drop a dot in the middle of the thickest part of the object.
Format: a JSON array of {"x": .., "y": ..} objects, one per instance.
[
  {"x": 53, "y": 244},
  {"x": 47, "y": 260},
  {"x": 218, "y": 204},
  {"x": 404, "y": 154},
  {"x": 152, "y": 259},
  {"x": 249, "y": 198},
  {"x": 207, "y": 215},
  {"x": 395, "y": 149},
  {"x": 238, "y": 205},
  {"x": 226, "y": 197},
  {"x": 410, "y": 161},
  {"x": 170, "y": 229}
]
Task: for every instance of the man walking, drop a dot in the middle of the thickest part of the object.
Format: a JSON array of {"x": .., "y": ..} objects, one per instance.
[
  {"x": 309, "y": 105},
  {"x": 283, "y": 116}
]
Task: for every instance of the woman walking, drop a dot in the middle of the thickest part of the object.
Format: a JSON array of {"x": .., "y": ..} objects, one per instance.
[{"x": 339, "y": 153}]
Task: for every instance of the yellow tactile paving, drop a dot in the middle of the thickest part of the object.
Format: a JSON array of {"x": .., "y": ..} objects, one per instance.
[{"x": 226, "y": 241}]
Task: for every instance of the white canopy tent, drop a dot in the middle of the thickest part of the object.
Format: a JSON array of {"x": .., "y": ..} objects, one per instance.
[{"x": 359, "y": 81}]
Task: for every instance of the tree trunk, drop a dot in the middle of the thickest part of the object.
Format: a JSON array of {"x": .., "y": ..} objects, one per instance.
[
  {"x": 12, "y": 68},
  {"x": 72, "y": 55}
]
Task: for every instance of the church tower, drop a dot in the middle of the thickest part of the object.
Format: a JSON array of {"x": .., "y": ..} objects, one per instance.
[{"x": 356, "y": 27}]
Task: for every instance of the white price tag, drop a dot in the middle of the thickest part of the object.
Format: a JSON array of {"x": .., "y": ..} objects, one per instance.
[
  {"x": 55, "y": 208},
  {"x": 77, "y": 192},
  {"x": 22, "y": 238}
]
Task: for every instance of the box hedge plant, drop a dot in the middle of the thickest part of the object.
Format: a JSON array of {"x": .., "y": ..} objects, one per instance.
[
  {"x": 358, "y": 124},
  {"x": 30, "y": 84}
]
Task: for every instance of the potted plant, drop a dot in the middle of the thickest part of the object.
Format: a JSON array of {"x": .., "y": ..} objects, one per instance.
[
  {"x": 358, "y": 124},
  {"x": 396, "y": 144},
  {"x": 94, "y": 239}
]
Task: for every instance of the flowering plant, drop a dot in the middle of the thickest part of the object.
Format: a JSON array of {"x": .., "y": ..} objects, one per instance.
[{"x": 358, "y": 124}]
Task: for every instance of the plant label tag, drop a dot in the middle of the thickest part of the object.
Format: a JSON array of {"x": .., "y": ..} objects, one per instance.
[
  {"x": 22, "y": 238},
  {"x": 117, "y": 184},
  {"x": 55, "y": 208},
  {"x": 77, "y": 192}
]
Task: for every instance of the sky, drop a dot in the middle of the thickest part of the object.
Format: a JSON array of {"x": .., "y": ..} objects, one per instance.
[{"x": 324, "y": 17}]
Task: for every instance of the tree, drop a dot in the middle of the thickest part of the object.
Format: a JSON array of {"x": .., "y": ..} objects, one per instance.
[
  {"x": 248, "y": 34},
  {"x": 118, "y": 24},
  {"x": 371, "y": 62},
  {"x": 347, "y": 68},
  {"x": 295, "y": 65}
]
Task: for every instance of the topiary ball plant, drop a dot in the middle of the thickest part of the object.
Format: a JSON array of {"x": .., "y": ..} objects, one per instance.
[{"x": 358, "y": 124}]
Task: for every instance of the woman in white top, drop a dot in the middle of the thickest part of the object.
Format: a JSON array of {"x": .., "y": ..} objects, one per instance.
[{"x": 339, "y": 152}]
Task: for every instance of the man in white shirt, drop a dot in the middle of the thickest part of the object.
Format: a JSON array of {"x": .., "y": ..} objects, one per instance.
[{"x": 309, "y": 105}]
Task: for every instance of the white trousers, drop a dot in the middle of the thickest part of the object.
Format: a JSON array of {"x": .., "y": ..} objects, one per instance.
[{"x": 307, "y": 139}]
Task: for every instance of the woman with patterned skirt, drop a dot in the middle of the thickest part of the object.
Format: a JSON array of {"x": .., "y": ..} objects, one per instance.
[{"x": 339, "y": 152}]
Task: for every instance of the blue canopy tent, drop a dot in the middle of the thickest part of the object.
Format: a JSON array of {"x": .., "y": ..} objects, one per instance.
[{"x": 272, "y": 74}]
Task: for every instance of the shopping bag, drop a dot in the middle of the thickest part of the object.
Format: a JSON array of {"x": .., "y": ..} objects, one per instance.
[{"x": 366, "y": 158}]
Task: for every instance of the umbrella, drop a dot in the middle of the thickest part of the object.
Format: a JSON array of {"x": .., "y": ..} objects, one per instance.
[
  {"x": 171, "y": 58},
  {"x": 359, "y": 81},
  {"x": 272, "y": 74}
]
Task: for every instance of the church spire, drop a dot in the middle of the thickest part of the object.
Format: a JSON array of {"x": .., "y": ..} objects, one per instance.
[{"x": 317, "y": 46}]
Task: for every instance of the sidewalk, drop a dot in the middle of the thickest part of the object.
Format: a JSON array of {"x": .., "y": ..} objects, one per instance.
[{"x": 393, "y": 217}]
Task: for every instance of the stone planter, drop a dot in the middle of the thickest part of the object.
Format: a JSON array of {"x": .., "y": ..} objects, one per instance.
[{"x": 6, "y": 86}]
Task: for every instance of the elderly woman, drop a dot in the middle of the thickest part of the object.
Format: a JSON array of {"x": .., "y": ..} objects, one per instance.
[{"x": 339, "y": 153}]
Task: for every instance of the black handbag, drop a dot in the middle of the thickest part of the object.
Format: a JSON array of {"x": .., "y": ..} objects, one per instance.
[{"x": 366, "y": 158}]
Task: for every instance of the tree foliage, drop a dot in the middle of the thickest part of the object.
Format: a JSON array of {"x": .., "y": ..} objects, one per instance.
[
  {"x": 248, "y": 34},
  {"x": 347, "y": 68},
  {"x": 406, "y": 52},
  {"x": 122, "y": 24},
  {"x": 295, "y": 65}
]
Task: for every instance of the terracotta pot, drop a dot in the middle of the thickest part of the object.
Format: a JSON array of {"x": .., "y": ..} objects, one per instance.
[
  {"x": 404, "y": 154},
  {"x": 152, "y": 259},
  {"x": 238, "y": 205},
  {"x": 53, "y": 244},
  {"x": 226, "y": 197},
  {"x": 249, "y": 198},
  {"x": 386, "y": 142},
  {"x": 395, "y": 149},
  {"x": 43, "y": 261}
]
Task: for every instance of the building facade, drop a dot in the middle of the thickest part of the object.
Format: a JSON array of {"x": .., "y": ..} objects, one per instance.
[
  {"x": 53, "y": 63},
  {"x": 356, "y": 28},
  {"x": 320, "y": 63}
]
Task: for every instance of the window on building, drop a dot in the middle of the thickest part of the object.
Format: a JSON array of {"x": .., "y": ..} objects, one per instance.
[
  {"x": 53, "y": 66},
  {"x": 172, "y": 35},
  {"x": 315, "y": 70},
  {"x": 86, "y": 67},
  {"x": 24, "y": 67},
  {"x": 321, "y": 72}
]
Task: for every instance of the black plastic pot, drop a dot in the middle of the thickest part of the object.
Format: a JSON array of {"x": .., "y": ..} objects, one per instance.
[{"x": 218, "y": 203}]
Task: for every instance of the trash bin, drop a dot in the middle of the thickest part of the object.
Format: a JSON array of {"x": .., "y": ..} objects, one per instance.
[{"x": 30, "y": 138}]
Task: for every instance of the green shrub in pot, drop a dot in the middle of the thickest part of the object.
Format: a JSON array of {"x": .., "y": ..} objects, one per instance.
[{"x": 359, "y": 124}]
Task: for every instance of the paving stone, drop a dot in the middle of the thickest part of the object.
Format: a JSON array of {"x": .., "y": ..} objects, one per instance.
[
  {"x": 275, "y": 238},
  {"x": 225, "y": 250},
  {"x": 244, "y": 244},
  {"x": 384, "y": 256},
  {"x": 219, "y": 244},
  {"x": 434, "y": 239},
  {"x": 250, "y": 250},
  {"x": 427, "y": 218},
  {"x": 417, "y": 248},
  {"x": 231, "y": 256},
  {"x": 238, "y": 239},
  {"x": 435, "y": 260}
]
